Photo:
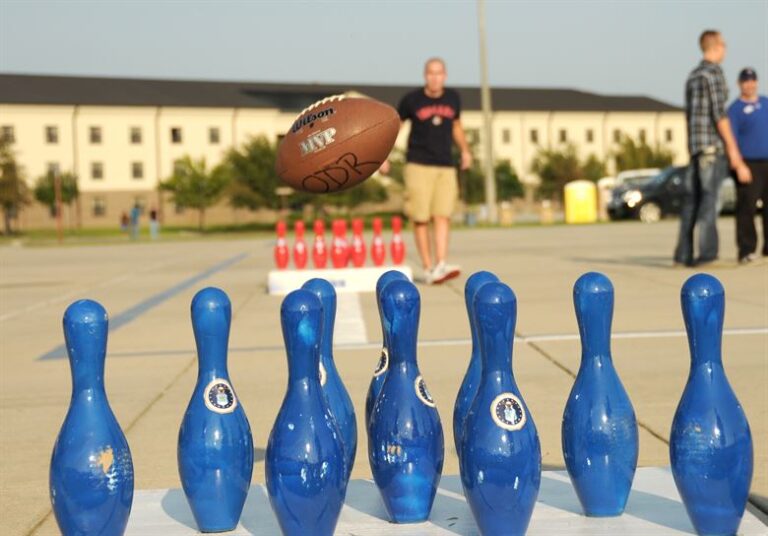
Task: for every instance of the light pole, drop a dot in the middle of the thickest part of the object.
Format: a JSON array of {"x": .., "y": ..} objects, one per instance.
[{"x": 487, "y": 137}]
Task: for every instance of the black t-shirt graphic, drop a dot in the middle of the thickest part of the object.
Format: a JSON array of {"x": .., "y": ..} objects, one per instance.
[{"x": 431, "y": 126}]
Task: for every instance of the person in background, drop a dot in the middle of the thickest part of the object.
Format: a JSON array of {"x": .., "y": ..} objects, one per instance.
[
  {"x": 154, "y": 224},
  {"x": 124, "y": 221},
  {"x": 710, "y": 140},
  {"x": 431, "y": 187},
  {"x": 135, "y": 215},
  {"x": 749, "y": 120}
]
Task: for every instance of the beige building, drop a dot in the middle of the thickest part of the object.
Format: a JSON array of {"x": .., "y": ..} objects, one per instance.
[{"x": 121, "y": 137}]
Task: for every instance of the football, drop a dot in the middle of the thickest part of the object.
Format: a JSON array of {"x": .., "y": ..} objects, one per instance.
[{"x": 336, "y": 143}]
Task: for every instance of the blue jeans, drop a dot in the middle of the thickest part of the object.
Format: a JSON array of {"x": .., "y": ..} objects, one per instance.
[{"x": 701, "y": 189}]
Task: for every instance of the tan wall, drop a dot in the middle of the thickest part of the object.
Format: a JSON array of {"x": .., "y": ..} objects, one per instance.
[
  {"x": 115, "y": 153},
  {"x": 31, "y": 149},
  {"x": 157, "y": 152}
]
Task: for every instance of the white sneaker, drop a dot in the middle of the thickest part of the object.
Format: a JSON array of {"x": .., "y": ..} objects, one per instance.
[
  {"x": 443, "y": 272},
  {"x": 424, "y": 277}
]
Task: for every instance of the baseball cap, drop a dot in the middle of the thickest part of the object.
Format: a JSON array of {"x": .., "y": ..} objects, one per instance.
[{"x": 747, "y": 73}]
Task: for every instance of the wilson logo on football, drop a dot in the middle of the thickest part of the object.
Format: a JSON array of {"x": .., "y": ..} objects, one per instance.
[
  {"x": 310, "y": 119},
  {"x": 317, "y": 141}
]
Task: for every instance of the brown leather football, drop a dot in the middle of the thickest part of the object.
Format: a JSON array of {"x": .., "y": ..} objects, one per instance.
[{"x": 337, "y": 143}]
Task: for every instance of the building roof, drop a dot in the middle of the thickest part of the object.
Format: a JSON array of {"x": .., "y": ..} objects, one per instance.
[{"x": 74, "y": 90}]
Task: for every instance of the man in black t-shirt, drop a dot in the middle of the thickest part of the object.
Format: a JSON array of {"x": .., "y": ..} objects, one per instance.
[{"x": 431, "y": 187}]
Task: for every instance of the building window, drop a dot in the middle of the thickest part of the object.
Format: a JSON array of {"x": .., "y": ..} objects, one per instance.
[
  {"x": 214, "y": 136},
  {"x": 135, "y": 135},
  {"x": 668, "y": 135},
  {"x": 506, "y": 136},
  {"x": 53, "y": 168},
  {"x": 137, "y": 170},
  {"x": 617, "y": 136},
  {"x": 97, "y": 171},
  {"x": 176, "y": 135},
  {"x": 534, "y": 136},
  {"x": 140, "y": 202},
  {"x": 51, "y": 134},
  {"x": 641, "y": 135},
  {"x": 95, "y": 134},
  {"x": 99, "y": 206},
  {"x": 590, "y": 135},
  {"x": 473, "y": 135},
  {"x": 7, "y": 134},
  {"x": 563, "y": 136}
]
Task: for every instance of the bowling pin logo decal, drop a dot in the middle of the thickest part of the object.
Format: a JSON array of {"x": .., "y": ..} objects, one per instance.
[
  {"x": 383, "y": 363},
  {"x": 219, "y": 397},
  {"x": 507, "y": 412},
  {"x": 422, "y": 392}
]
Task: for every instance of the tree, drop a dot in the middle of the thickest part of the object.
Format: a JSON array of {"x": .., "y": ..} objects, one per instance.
[
  {"x": 557, "y": 167},
  {"x": 193, "y": 186},
  {"x": 594, "y": 168},
  {"x": 45, "y": 189},
  {"x": 397, "y": 166},
  {"x": 508, "y": 184},
  {"x": 14, "y": 192},
  {"x": 639, "y": 155},
  {"x": 251, "y": 171}
]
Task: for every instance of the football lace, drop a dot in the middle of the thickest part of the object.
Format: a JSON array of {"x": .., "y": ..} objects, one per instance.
[{"x": 326, "y": 100}]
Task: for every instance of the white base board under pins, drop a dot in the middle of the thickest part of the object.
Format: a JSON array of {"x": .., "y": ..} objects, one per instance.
[
  {"x": 654, "y": 507},
  {"x": 281, "y": 282}
]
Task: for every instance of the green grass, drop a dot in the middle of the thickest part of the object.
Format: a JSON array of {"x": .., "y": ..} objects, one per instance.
[{"x": 49, "y": 237}]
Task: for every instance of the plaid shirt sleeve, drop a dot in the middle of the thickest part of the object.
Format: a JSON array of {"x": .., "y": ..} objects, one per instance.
[{"x": 718, "y": 94}]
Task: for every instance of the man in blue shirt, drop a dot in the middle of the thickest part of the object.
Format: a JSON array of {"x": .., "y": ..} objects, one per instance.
[{"x": 749, "y": 121}]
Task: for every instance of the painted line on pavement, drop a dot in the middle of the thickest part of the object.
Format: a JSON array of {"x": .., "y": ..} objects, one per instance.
[
  {"x": 350, "y": 323},
  {"x": 376, "y": 345},
  {"x": 70, "y": 295},
  {"x": 129, "y": 315}
]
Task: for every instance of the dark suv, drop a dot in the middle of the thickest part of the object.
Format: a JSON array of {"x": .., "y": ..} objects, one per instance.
[{"x": 660, "y": 196}]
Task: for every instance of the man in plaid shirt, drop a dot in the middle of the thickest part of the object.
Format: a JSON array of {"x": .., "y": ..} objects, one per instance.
[{"x": 709, "y": 141}]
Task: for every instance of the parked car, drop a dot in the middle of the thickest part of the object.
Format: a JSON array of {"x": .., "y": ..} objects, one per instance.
[
  {"x": 661, "y": 196},
  {"x": 636, "y": 176}
]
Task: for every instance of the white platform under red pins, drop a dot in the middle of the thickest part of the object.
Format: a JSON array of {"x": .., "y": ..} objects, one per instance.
[{"x": 343, "y": 261}]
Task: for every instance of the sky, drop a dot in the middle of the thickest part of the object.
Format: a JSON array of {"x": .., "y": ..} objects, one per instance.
[{"x": 617, "y": 47}]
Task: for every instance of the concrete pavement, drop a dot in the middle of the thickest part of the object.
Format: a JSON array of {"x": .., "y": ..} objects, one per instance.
[{"x": 151, "y": 363}]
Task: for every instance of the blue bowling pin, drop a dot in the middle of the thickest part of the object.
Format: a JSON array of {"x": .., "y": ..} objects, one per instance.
[
  {"x": 710, "y": 445},
  {"x": 405, "y": 446},
  {"x": 91, "y": 475},
  {"x": 380, "y": 373},
  {"x": 215, "y": 448},
  {"x": 500, "y": 450},
  {"x": 468, "y": 388},
  {"x": 305, "y": 469},
  {"x": 338, "y": 397},
  {"x": 599, "y": 429}
]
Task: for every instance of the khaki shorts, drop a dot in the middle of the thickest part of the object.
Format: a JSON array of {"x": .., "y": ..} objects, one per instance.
[{"x": 429, "y": 191}]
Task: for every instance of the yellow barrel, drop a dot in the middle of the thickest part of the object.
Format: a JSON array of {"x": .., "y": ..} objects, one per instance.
[{"x": 580, "y": 202}]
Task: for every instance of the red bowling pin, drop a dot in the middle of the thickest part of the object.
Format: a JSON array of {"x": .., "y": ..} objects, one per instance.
[
  {"x": 378, "y": 249},
  {"x": 358, "y": 243},
  {"x": 319, "y": 249},
  {"x": 281, "y": 248},
  {"x": 339, "y": 245},
  {"x": 299, "y": 246},
  {"x": 397, "y": 247}
]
